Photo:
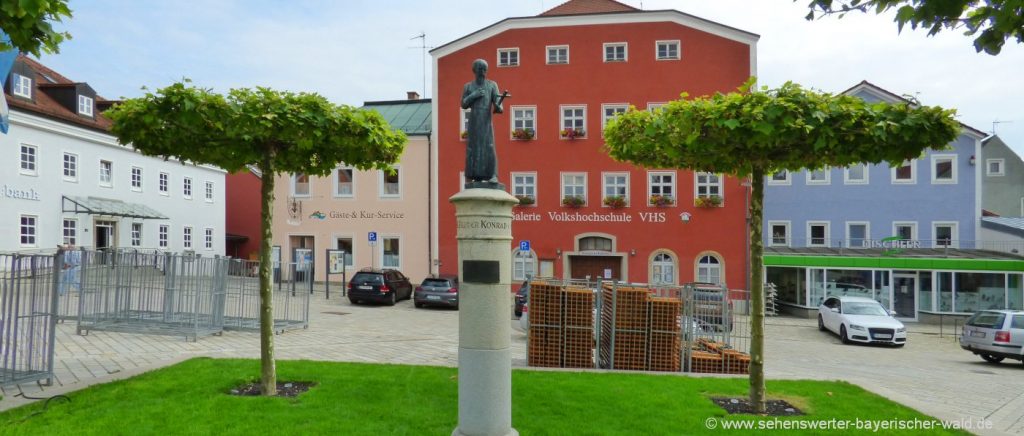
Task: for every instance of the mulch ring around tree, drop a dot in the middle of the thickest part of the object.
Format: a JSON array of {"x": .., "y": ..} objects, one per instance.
[
  {"x": 284, "y": 389},
  {"x": 743, "y": 406}
]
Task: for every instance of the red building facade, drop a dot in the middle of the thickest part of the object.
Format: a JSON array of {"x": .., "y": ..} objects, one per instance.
[
  {"x": 243, "y": 215},
  {"x": 568, "y": 71}
]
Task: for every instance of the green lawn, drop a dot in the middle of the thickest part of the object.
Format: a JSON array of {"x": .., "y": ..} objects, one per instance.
[{"x": 190, "y": 398}]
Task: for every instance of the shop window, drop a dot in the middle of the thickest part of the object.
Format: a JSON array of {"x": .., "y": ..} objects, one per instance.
[
  {"x": 300, "y": 185},
  {"x": 616, "y": 185},
  {"x": 790, "y": 284},
  {"x": 945, "y": 234},
  {"x": 780, "y": 177},
  {"x": 70, "y": 232},
  {"x": 944, "y": 286},
  {"x": 524, "y": 265},
  {"x": 344, "y": 182},
  {"x": 508, "y": 57},
  {"x": 817, "y": 234},
  {"x": 708, "y": 184},
  {"x": 392, "y": 257},
  {"x": 524, "y": 122},
  {"x": 186, "y": 238},
  {"x": 525, "y": 185},
  {"x": 136, "y": 235},
  {"x": 28, "y": 230},
  {"x": 667, "y": 50},
  {"x": 662, "y": 184},
  {"x": 882, "y": 288},
  {"x": 164, "y": 182},
  {"x": 28, "y": 159},
  {"x": 71, "y": 167},
  {"x": 663, "y": 269},
  {"x": 162, "y": 236},
  {"x": 979, "y": 291},
  {"x": 391, "y": 183},
  {"x": 558, "y": 54},
  {"x": 924, "y": 295},
  {"x": 208, "y": 238},
  {"x": 994, "y": 167},
  {"x": 615, "y": 52},
  {"x": 709, "y": 270},
  {"x": 1015, "y": 291},
  {"x": 856, "y": 174},
  {"x": 21, "y": 85},
  {"x": 821, "y": 176},
  {"x": 186, "y": 188},
  {"x": 906, "y": 173},
  {"x": 848, "y": 283},
  {"x": 574, "y": 185},
  {"x": 857, "y": 234},
  {"x": 816, "y": 286},
  {"x": 106, "y": 173},
  {"x": 779, "y": 231},
  {"x": 345, "y": 244},
  {"x": 136, "y": 179},
  {"x": 944, "y": 169},
  {"x": 595, "y": 243}
]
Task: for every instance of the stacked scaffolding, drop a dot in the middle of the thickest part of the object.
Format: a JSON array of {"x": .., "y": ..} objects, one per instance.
[
  {"x": 665, "y": 341},
  {"x": 290, "y": 289},
  {"x": 717, "y": 357},
  {"x": 561, "y": 326},
  {"x": 28, "y": 302},
  {"x": 624, "y": 327}
]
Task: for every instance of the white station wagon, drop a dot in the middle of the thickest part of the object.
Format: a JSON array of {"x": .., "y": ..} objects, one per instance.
[
  {"x": 995, "y": 335},
  {"x": 859, "y": 319}
]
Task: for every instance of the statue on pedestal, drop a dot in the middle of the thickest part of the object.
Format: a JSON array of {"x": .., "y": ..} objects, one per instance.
[{"x": 481, "y": 97}]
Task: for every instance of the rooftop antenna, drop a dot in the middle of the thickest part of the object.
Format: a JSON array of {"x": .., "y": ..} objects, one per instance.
[
  {"x": 997, "y": 121},
  {"x": 423, "y": 46}
]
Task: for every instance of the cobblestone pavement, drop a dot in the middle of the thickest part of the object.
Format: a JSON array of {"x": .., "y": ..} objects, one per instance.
[{"x": 931, "y": 373}]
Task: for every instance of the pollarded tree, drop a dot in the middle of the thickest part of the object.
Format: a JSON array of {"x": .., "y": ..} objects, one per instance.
[
  {"x": 29, "y": 25},
  {"x": 752, "y": 134},
  {"x": 275, "y": 132}
]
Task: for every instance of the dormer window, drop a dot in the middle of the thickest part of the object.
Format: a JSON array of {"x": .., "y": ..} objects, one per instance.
[
  {"x": 21, "y": 86},
  {"x": 85, "y": 105}
]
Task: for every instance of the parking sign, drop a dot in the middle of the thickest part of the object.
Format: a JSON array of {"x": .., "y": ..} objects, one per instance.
[
  {"x": 524, "y": 245},
  {"x": 372, "y": 237}
]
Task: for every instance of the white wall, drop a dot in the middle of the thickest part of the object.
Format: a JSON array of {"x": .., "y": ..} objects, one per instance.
[
  {"x": 52, "y": 139},
  {"x": 995, "y": 240}
]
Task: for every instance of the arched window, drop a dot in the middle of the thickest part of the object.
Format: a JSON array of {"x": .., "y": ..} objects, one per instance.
[
  {"x": 709, "y": 270},
  {"x": 595, "y": 243},
  {"x": 524, "y": 264},
  {"x": 663, "y": 269}
]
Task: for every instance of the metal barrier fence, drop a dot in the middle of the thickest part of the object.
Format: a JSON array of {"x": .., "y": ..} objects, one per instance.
[
  {"x": 692, "y": 328},
  {"x": 27, "y": 324},
  {"x": 292, "y": 287}
]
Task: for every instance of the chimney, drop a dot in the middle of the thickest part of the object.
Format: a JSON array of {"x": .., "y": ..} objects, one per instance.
[{"x": 413, "y": 95}]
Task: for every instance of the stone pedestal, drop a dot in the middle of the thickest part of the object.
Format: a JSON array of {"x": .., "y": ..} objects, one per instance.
[{"x": 484, "y": 231}]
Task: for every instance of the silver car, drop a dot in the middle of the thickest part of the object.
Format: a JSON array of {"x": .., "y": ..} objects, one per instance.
[{"x": 995, "y": 335}]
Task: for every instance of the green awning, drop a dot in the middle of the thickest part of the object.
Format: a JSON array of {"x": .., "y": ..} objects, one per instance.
[{"x": 109, "y": 207}]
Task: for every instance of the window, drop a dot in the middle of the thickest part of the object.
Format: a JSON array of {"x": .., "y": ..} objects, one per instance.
[
  {"x": 345, "y": 244},
  {"x": 525, "y": 185},
  {"x": 21, "y": 86},
  {"x": 905, "y": 173},
  {"x": 186, "y": 187},
  {"x": 994, "y": 167},
  {"x": 508, "y": 57},
  {"x": 906, "y": 230},
  {"x": 70, "y": 167},
  {"x": 70, "y": 232},
  {"x": 662, "y": 184},
  {"x": 208, "y": 192},
  {"x": 524, "y": 119},
  {"x": 574, "y": 121},
  {"x": 136, "y": 179},
  {"x": 663, "y": 269},
  {"x": 300, "y": 185},
  {"x": 85, "y": 105},
  {"x": 136, "y": 235},
  {"x": 28, "y": 159},
  {"x": 186, "y": 238},
  {"x": 609, "y": 111},
  {"x": 820, "y": 176},
  {"x": 780, "y": 177},
  {"x": 945, "y": 234},
  {"x": 162, "y": 236},
  {"x": 208, "y": 238},
  {"x": 595, "y": 243},
  {"x": 709, "y": 270},
  {"x": 667, "y": 50},
  {"x": 708, "y": 184},
  {"x": 817, "y": 234},
  {"x": 615, "y": 52},
  {"x": 856, "y": 174},
  {"x": 943, "y": 169},
  {"x": 558, "y": 54},
  {"x": 164, "y": 181},
  {"x": 463, "y": 123},
  {"x": 616, "y": 185},
  {"x": 524, "y": 265},
  {"x": 391, "y": 183},
  {"x": 28, "y": 230},
  {"x": 392, "y": 255},
  {"x": 779, "y": 231},
  {"x": 574, "y": 185},
  {"x": 106, "y": 173},
  {"x": 654, "y": 107},
  {"x": 344, "y": 182},
  {"x": 857, "y": 234},
  {"x": 547, "y": 268}
]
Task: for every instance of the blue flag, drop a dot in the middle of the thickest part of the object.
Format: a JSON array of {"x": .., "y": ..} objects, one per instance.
[{"x": 6, "y": 62}]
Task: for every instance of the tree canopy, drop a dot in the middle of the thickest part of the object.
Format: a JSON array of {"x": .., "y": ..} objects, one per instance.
[
  {"x": 29, "y": 25},
  {"x": 993, "y": 21}
]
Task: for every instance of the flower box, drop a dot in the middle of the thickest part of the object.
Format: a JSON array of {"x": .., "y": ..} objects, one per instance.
[
  {"x": 464, "y": 134},
  {"x": 662, "y": 200},
  {"x": 573, "y": 201},
  {"x": 523, "y": 134},
  {"x": 526, "y": 200},
  {"x": 615, "y": 201},
  {"x": 709, "y": 201},
  {"x": 573, "y": 133}
]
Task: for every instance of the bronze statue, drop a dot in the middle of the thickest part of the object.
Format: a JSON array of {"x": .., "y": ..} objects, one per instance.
[{"x": 481, "y": 156}]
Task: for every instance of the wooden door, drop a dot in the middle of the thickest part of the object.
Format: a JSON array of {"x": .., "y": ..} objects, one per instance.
[{"x": 595, "y": 266}]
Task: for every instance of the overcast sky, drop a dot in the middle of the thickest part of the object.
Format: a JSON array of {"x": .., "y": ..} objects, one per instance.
[{"x": 357, "y": 50}]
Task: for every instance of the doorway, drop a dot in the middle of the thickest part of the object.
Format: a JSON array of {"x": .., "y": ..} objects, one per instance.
[
  {"x": 106, "y": 235},
  {"x": 595, "y": 267},
  {"x": 904, "y": 295}
]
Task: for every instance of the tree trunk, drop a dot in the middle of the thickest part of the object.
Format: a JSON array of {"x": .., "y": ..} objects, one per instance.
[
  {"x": 268, "y": 370},
  {"x": 757, "y": 292}
]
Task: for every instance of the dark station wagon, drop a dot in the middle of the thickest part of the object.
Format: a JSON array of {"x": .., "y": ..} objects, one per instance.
[{"x": 379, "y": 286}]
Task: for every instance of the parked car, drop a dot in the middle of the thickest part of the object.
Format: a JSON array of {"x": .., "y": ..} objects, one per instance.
[
  {"x": 521, "y": 296},
  {"x": 711, "y": 307},
  {"x": 379, "y": 286},
  {"x": 995, "y": 335},
  {"x": 524, "y": 318},
  {"x": 859, "y": 319},
  {"x": 437, "y": 291}
]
